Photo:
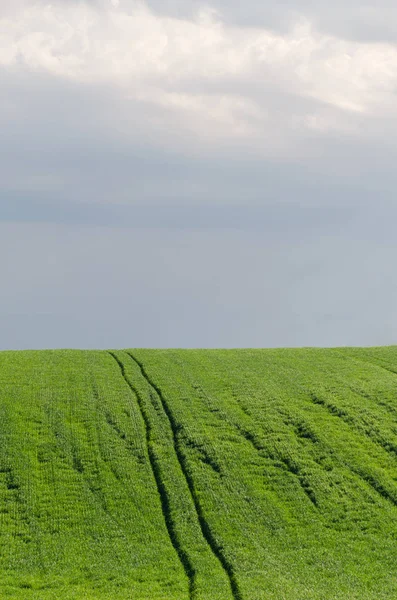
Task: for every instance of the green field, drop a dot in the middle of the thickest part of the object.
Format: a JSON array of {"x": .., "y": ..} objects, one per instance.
[{"x": 198, "y": 474}]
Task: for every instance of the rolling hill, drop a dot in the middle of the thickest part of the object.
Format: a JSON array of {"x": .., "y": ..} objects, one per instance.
[{"x": 198, "y": 474}]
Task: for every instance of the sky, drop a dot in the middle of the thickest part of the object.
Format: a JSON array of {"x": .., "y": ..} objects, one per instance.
[{"x": 198, "y": 174}]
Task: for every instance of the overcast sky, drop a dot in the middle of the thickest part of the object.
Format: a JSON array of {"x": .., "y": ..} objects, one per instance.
[{"x": 198, "y": 174}]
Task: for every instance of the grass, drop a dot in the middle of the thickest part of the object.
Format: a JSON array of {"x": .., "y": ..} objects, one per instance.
[{"x": 198, "y": 475}]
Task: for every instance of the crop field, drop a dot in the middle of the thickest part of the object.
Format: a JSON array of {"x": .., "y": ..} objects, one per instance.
[{"x": 198, "y": 474}]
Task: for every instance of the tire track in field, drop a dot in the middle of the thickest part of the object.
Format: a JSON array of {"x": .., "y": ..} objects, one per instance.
[
  {"x": 250, "y": 435},
  {"x": 161, "y": 488},
  {"x": 370, "y": 432},
  {"x": 345, "y": 417},
  {"x": 367, "y": 361},
  {"x": 204, "y": 525},
  {"x": 349, "y": 421},
  {"x": 387, "y": 406}
]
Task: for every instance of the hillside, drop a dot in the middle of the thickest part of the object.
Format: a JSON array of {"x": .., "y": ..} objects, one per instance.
[{"x": 198, "y": 475}]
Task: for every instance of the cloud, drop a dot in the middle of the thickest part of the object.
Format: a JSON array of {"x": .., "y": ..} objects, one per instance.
[
  {"x": 362, "y": 20},
  {"x": 190, "y": 174},
  {"x": 63, "y": 143},
  {"x": 222, "y": 82}
]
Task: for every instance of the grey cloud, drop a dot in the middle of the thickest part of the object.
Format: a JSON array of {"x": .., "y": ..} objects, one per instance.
[
  {"x": 95, "y": 287},
  {"x": 72, "y": 143},
  {"x": 365, "y": 21},
  {"x": 274, "y": 220}
]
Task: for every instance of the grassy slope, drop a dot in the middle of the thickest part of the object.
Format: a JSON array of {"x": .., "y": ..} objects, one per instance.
[{"x": 240, "y": 475}]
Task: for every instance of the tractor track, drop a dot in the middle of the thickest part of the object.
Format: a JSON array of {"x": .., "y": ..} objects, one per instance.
[
  {"x": 204, "y": 525},
  {"x": 161, "y": 488}
]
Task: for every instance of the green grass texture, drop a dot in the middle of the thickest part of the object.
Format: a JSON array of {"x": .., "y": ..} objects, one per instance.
[{"x": 198, "y": 474}]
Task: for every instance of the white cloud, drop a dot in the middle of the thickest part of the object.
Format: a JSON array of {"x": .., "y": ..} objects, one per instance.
[{"x": 219, "y": 79}]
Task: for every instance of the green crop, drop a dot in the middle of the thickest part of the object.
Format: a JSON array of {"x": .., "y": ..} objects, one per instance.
[{"x": 198, "y": 474}]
